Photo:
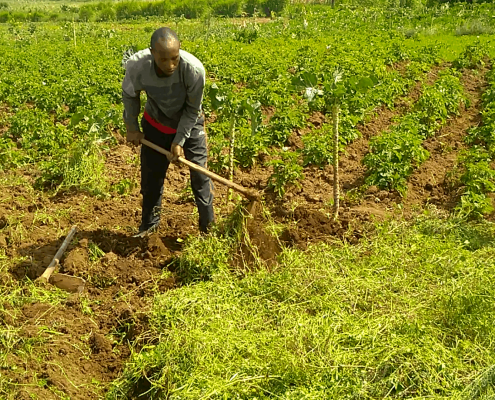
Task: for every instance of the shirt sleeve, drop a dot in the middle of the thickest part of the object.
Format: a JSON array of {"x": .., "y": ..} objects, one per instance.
[
  {"x": 195, "y": 84},
  {"x": 131, "y": 89}
]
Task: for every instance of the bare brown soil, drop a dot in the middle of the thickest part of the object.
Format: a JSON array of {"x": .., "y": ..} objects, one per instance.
[{"x": 93, "y": 330}]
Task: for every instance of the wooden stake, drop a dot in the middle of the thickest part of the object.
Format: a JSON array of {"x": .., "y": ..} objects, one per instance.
[
  {"x": 74, "y": 30},
  {"x": 231, "y": 155},
  {"x": 336, "y": 190}
]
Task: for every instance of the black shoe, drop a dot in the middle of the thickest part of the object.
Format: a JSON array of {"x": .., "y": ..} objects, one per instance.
[{"x": 147, "y": 232}]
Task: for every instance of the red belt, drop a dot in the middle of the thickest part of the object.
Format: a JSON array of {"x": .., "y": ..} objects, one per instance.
[{"x": 155, "y": 124}]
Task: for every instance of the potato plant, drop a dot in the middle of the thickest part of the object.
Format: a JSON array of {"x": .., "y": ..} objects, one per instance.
[
  {"x": 286, "y": 172},
  {"x": 484, "y": 134},
  {"x": 318, "y": 147},
  {"x": 474, "y": 56},
  {"x": 395, "y": 154},
  {"x": 478, "y": 176},
  {"x": 438, "y": 102}
]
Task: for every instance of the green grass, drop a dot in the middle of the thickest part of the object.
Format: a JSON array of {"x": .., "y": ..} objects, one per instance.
[
  {"x": 47, "y": 5},
  {"x": 16, "y": 347},
  {"x": 407, "y": 313}
]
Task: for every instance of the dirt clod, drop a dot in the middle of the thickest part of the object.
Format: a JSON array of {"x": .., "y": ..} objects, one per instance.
[
  {"x": 257, "y": 245},
  {"x": 99, "y": 344},
  {"x": 109, "y": 258},
  {"x": 372, "y": 190},
  {"x": 157, "y": 248},
  {"x": 76, "y": 261}
]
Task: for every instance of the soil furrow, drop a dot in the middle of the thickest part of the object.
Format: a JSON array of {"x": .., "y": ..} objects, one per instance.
[{"x": 430, "y": 182}]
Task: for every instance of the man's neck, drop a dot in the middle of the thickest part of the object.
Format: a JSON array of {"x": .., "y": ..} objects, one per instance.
[{"x": 158, "y": 71}]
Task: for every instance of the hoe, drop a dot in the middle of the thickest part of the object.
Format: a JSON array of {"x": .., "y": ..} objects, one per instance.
[{"x": 253, "y": 196}]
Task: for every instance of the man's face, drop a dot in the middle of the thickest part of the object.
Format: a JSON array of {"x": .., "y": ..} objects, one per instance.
[{"x": 166, "y": 55}]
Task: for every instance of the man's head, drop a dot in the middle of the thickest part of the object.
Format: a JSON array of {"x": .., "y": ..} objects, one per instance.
[{"x": 165, "y": 47}]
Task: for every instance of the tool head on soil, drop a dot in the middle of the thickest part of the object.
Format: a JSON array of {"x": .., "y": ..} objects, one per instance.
[
  {"x": 69, "y": 283},
  {"x": 256, "y": 246},
  {"x": 253, "y": 207}
]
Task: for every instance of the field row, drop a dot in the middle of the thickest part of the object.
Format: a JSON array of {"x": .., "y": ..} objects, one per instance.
[
  {"x": 63, "y": 110},
  {"x": 128, "y": 10},
  {"x": 476, "y": 170}
]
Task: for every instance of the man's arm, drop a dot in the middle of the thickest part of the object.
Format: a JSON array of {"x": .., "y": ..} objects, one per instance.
[
  {"x": 192, "y": 110},
  {"x": 132, "y": 107},
  {"x": 132, "y": 103}
]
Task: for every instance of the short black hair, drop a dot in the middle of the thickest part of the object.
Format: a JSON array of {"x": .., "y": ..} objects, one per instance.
[{"x": 163, "y": 33}]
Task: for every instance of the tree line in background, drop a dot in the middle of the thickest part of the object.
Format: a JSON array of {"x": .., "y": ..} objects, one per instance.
[
  {"x": 118, "y": 11},
  {"x": 124, "y": 10}
]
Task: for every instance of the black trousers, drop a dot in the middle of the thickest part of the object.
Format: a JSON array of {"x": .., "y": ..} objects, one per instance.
[{"x": 154, "y": 167}]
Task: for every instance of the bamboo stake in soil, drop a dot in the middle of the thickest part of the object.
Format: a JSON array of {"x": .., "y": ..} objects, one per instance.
[
  {"x": 74, "y": 30},
  {"x": 231, "y": 155},
  {"x": 336, "y": 193}
]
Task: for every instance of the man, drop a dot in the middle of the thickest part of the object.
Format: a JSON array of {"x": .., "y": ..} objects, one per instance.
[{"x": 174, "y": 81}]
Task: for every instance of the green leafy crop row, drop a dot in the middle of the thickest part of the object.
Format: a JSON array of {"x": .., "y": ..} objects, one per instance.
[
  {"x": 477, "y": 175},
  {"x": 394, "y": 154}
]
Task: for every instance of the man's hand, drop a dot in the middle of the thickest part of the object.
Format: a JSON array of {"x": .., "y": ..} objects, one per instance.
[
  {"x": 177, "y": 151},
  {"x": 134, "y": 137}
]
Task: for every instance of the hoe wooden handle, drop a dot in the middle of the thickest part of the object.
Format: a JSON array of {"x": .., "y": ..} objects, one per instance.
[
  {"x": 48, "y": 272},
  {"x": 250, "y": 194}
]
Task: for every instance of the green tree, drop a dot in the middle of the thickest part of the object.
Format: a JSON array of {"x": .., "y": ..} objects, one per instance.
[{"x": 336, "y": 91}]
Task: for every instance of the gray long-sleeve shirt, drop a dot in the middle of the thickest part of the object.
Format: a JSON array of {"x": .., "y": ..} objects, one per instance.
[{"x": 173, "y": 101}]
